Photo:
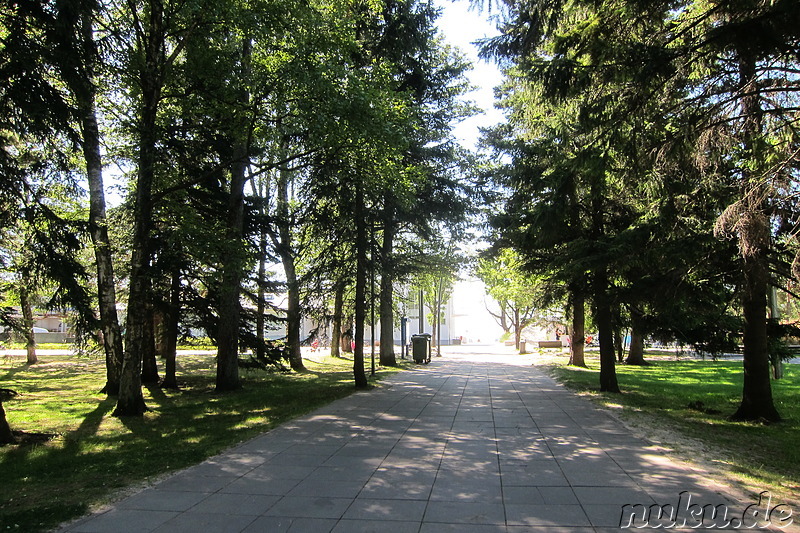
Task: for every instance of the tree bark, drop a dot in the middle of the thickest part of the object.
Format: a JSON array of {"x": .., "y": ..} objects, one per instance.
[
  {"x": 636, "y": 350},
  {"x": 6, "y": 435},
  {"x": 27, "y": 319},
  {"x": 346, "y": 337},
  {"x": 600, "y": 284},
  {"x": 619, "y": 349},
  {"x": 286, "y": 252},
  {"x": 336, "y": 324},
  {"x": 293, "y": 316},
  {"x": 149, "y": 363},
  {"x": 754, "y": 241},
  {"x": 262, "y": 296},
  {"x": 757, "y": 402},
  {"x": 608, "y": 374},
  {"x": 131, "y": 401},
  {"x": 227, "y": 377},
  {"x": 79, "y": 73},
  {"x": 434, "y": 322},
  {"x": 421, "y": 318},
  {"x": 160, "y": 327},
  {"x": 775, "y": 361},
  {"x": 232, "y": 269},
  {"x": 387, "y": 357},
  {"x": 171, "y": 316},
  {"x": 504, "y": 318},
  {"x": 578, "y": 335},
  {"x": 361, "y": 244},
  {"x": 98, "y": 229},
  {"x": 437, "y": 333}
]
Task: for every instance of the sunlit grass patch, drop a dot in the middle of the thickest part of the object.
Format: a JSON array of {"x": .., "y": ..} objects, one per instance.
[
  {"x": 695, "y": 399},
  {"x": 91, "y": 455}
]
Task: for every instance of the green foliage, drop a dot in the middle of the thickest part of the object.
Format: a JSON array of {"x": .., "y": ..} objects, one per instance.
[
  {"x": 522, "y": 297},
  {"x": 624, "y": 150},
  {"x": 505, "y": 278}
]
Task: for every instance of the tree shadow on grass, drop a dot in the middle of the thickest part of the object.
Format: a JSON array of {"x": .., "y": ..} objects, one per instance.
[
  {"x": 185, "y": 427},
  {"x": 158, "y": 395},
  {"x": 89, "y": 426},
  {"x": 10, "y": 373},
  {"x": 42, "y": 464}
]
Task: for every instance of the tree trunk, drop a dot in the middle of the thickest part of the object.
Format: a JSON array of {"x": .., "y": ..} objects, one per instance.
[
  {"x": 27, "y": 319},
  {"x": 262, "y": 296},
  {"x": 504, "y": 319},
  {"x": 605, "y": 330},
  {"x": 293, "y": 316},
  {"x": 131, "y": 401},
  {"x": 754, "y": 242},
  {"x": 387, "y": 357},
  {"x": 757, "y": 402},
  {"x": 6, "y": 435},
  {"x": 171, "y": 318},
  {"x": 286, "y": 252},
  {"x": 437, "y": 334},
  {"x": 227, "y": 377},
  {"x": 160, "y": 327},
  {"x": 435, "y": 337},
  {"x": 775, "y": 362},
  {"x": 149, "y": 364},
  {"x": 361, "y": 244},
  {"x": 517, "y": 329},
  {"x": 346, "y": 337},
  {"x": 336, "y": 325},
  {"x": 636, "y": 350},
  {"x": 619, "y": 348},
  {"x": 578, "y": 338},
  {"x": 80, "y": 77},
  {"x": 578, "y": 334},
  {"x": 434, "y": 326},
  {"x": 98, "y": 229},
  {"x": 421, "y": 312},
  {"x": 233, "y": 267}
]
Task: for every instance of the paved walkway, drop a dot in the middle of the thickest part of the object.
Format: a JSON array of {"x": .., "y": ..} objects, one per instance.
[{"x": 469, "y": 443}]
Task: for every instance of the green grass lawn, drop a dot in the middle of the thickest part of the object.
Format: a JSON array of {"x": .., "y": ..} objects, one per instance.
[
  {"x": 758, "y": 456},
  {"x": 94, "y": 455},
  {"x": 40, "y": 346}
]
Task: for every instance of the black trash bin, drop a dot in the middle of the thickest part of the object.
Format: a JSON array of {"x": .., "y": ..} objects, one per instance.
[{"x": 421, "y": 347}]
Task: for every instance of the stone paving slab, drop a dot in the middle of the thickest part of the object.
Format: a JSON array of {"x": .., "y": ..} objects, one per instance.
[{"x": 473, "y": 442}]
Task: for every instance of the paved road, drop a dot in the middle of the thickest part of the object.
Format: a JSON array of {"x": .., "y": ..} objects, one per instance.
[{"x": 473, "y": 442}]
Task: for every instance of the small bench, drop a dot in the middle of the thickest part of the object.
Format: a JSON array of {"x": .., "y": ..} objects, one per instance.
[{"x": 550, "y": 344}]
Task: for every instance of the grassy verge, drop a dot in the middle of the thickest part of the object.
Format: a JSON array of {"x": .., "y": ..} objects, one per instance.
[
  {"x": 93, "y": 455},
  {"x": 672, "y": 400},
  {"x": 41, "y": 346}
]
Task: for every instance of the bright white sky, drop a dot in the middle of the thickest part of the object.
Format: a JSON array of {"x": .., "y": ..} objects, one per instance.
[{"x": 461, "y": 26}]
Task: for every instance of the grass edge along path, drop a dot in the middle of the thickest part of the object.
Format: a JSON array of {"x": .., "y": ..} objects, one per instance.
[
  {"x": 95, "y": 459},
  {"x": 683, "y": 406}
]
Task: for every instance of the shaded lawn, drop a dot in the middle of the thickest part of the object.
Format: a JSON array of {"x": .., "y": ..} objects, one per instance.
[
  {"x": 695, "y": 398},
  {"x": 94, "y": 455}
]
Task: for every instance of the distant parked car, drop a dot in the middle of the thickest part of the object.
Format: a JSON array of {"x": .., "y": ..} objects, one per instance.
[{"x": 40, "y": 330}]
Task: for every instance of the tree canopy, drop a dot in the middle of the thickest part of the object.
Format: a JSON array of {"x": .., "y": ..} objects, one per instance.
[{"x": 641, "y": 136}]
